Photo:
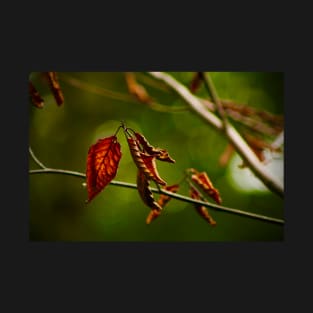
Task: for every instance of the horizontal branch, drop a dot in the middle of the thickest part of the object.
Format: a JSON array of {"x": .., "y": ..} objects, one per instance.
[
  {"x": 165, "y": 192},
  {"x": 231, "y": 133}
]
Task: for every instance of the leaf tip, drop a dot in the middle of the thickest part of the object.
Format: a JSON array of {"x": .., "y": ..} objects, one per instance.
[{"x": 152, "y": 216}]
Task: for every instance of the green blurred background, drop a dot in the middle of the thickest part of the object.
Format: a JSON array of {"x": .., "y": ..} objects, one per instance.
[{"x": 60, "y": 138}]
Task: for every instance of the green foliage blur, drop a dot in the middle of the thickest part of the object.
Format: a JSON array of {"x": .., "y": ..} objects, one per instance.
[{"x": 61, "y": 136}]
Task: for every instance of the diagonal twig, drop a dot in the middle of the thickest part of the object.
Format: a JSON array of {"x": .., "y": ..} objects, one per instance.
[
  {"x": 274, "y": 184},
  {"x": 35, "y": 158},
  {"x": 208, "y": 83}
]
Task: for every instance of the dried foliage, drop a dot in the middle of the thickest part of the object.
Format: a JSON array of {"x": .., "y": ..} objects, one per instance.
[
  {"x": 202, "y": 210},
  {"x": 226, "y": 155},
  {"x": 104, "y": 156},
  {"x": 145, "y": 156},
  {"x": 144, "y": 162},
  {"x": 162, "y": 202},
  {"x": 204, "y": 182},
  {"x": 196, "y": 82},
  {"x": 160, "y": 154},
  {"x": 145, "y": 193},
  {"x": 55, "y": 87},
  {"x": 35, "y": 96},
  {"x": 164, "y": 199},
  {"x": 52, "y": 79},
  {"x": 137, "y": 90}
]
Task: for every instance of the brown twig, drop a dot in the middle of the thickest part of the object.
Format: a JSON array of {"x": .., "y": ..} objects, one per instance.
[{"x": 77, "y": 83}]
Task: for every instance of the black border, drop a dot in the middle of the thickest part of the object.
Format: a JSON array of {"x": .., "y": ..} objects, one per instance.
[{"x": 223, "y": 271}]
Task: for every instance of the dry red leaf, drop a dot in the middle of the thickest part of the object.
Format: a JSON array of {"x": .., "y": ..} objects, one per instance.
[
  {"x": 258, "y": 146},
  {"x": 201, "y": 209},
  {"x": 35, "y": 96},
  {"x": 202, "y": 180},
  {"x": 144, "y": 162},
  {"x": 196, "y": 82},
  {"x": 160, "y": 154},
  {"x": 136, "y": 89},
  {"x": 226, "y": 155},
  {"x": 145, "y": 192},
  {"x": 102, "y": 163},
  {"x": 55, "y": 87}
]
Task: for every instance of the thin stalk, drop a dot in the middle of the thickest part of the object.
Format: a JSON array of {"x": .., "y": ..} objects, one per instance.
[
  {"x": 165, "y": 192},
  {"x": 209, "y": 85}
]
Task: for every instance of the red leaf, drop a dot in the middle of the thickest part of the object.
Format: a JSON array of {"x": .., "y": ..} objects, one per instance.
[{"x": 102, "y": 163}]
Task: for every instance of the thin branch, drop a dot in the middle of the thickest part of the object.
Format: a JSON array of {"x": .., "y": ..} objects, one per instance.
[
  {"x": 165, "y": 192},
  {"x": 255, "y": 125},
  {"x": 274, "y": 120},
  {"x": 209, "y": 85},
  {"x": 77, "y": 83},
  {"x": 279, "y": 141},
  {"x": 234, "y": 137},
  {"x": 35, "y": 159},
  {"x": 237, "y": 111}
]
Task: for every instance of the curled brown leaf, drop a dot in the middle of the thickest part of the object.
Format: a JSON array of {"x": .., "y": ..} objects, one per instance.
[
  {"x": 201, "y": 209},
  {"x": 145, "y": 192},
  {"x": 226, "y": 155},
  {"x": 55, "y": 87},
  {"x": 162, "y": 201},
  {"x": 152, "y": 172},
  {"x": 144, "y": 162},
  {"x": 258, "y": 146},
  {"x": 202, "y": 180},
  {"x": 137, "y": 90},
  {"x": 160, "y": 154},
  {"x": 153, "y": 214}
]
